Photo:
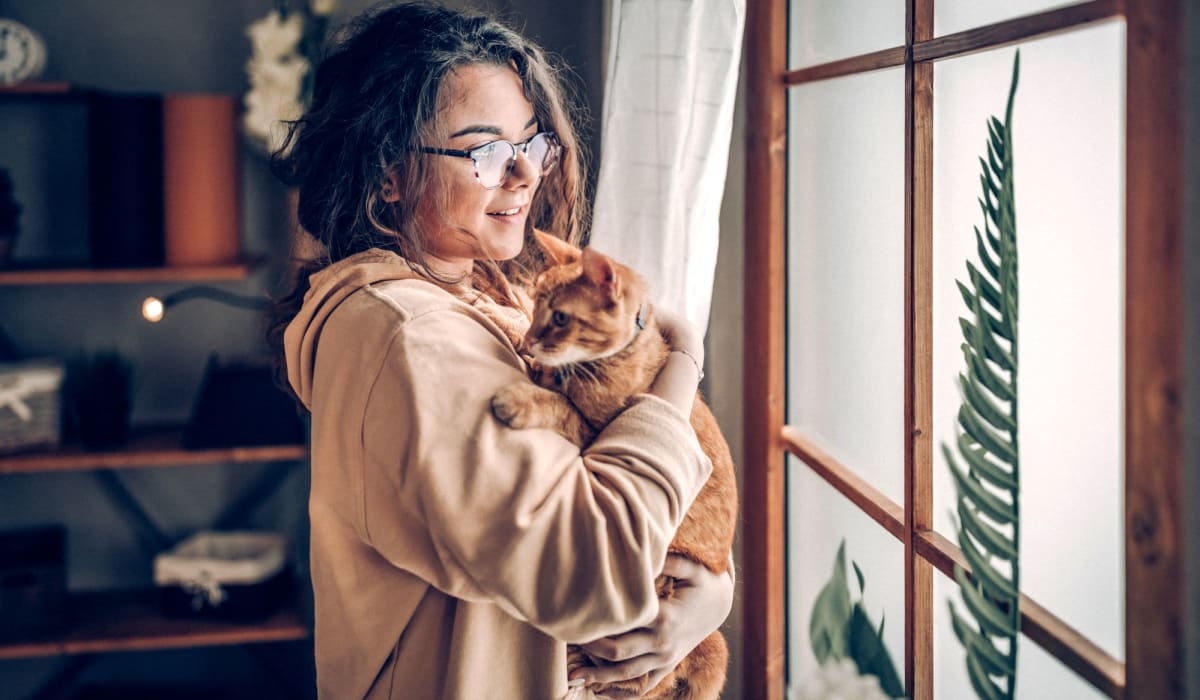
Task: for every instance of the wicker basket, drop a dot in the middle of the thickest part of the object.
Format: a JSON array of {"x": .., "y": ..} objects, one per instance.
[
  {"x": 230, "y": 575},
  {"x": 30, "y": 405}
]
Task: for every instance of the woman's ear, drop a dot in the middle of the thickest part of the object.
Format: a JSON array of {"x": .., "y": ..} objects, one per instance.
[
  {"x": 391, "y": 188},
  {"x": 556, "y": 249}
]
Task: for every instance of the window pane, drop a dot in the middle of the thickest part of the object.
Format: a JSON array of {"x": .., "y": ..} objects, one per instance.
[
  {"x": 846, "y": 271},
  {"x": 1068, "y": 124},
  {"x": 820, "y": 31},
  {"x": 1039, "y": 675},
  {"x": 951, "y": 17},
  {"x": 819, "y": 519}
]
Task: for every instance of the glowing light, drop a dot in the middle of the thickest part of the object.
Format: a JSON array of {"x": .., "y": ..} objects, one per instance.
[{"x": 152, "y": 309}]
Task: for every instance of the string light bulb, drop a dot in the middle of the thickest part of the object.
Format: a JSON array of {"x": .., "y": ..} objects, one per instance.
[{"x": 152, "y": 309}]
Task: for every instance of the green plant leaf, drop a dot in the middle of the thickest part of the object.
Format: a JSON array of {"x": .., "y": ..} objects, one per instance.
[
  {"x": 981, "y": 466},
  {"x": 995, "y": 543},
  {"x": 988, "y": 438},
  {"x": 989, "y": 292},
  {"x": 991, "y": 618},
  {"x": 983, "y": 685},
  {"x": 985, "y": 257},
  {"x": 870, "y": 654},
  {"x": 831, "y": 610},
  {"x": 862, "y": 586},
  {"x": 969, "y": 489},
  {"x": 985, "y": 375},
  {"x": 986, "y": 481},
  {"x": 991, "y": 349},
  {"x": 991, "y": 659},
  {"x": 994, "y": 583},
  {"x": 984, "y": 406}
]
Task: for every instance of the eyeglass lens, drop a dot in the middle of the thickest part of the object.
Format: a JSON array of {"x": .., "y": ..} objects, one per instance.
[{"x": 494, "y": 161}]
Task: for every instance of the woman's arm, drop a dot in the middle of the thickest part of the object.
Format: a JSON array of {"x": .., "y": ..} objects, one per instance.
[{"x": 570, "y": 543}]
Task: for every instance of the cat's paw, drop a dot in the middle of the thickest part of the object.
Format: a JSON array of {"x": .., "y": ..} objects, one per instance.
[{"x": 516, "y": 406}]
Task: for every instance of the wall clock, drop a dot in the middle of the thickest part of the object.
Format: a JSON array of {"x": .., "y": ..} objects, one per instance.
[{"x": 22, "y": 53}]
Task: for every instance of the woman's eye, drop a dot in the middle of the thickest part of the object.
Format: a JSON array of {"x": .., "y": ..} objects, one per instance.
[{"x": 560, "y": 319}]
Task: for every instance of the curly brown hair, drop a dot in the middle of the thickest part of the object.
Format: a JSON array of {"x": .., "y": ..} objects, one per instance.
[{"x": 374, "y": 99}]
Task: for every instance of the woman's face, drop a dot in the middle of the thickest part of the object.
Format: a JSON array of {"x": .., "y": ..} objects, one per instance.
[{"x": 477, "y": 104}]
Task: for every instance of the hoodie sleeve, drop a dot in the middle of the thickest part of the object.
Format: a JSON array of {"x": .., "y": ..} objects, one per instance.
[{"x": 570, "y": 543}]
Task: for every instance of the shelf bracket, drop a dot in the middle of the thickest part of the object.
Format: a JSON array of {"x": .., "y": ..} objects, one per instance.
[
  {"x": 153, "y": 539},
  {"x": 65, "y": 677},
  {"x": 264, "y": 485}
]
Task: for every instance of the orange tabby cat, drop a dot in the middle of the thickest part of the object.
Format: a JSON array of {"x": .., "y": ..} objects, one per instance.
[{"x": 595, "y": 336}]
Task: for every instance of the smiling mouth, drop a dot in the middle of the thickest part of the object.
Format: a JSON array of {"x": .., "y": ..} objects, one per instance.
[{"x": 506, "y": 212}]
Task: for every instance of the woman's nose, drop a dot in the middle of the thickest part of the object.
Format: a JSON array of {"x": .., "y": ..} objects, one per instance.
[{"x": 523, "y": 173}]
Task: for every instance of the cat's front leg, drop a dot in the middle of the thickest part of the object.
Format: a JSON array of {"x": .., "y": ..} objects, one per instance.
[{"x": 525, "y": 405}]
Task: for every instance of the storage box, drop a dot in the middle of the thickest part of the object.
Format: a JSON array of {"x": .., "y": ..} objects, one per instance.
[
  {"x": 30, "y": 405},
  {"x": 228, "y": 575},
  {"x": 33, "y": 583}
]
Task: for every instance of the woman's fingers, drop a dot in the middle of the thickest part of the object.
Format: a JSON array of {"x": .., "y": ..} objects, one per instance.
[
  {"x": 677, "y": 566},
  {"x": 630, "y": 645},
  {"x": 679, "y": 333},
  {"x": 623, "y": 671}
]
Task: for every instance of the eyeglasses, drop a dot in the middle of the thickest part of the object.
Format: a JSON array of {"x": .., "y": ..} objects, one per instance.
[{"x": 494, "y": 160}]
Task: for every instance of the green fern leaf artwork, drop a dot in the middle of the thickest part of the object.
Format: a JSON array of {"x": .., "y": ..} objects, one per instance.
[{"x": 985, "y": 460}]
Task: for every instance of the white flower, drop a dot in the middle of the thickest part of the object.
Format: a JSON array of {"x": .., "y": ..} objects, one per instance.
[
  {"x": 838, "y": 679},
  {"x": 276, "y": 38},
  {"x": 282, "y": 76},
  {"x": 322, "y": 8},
  {"x": 276, "y": 72}
]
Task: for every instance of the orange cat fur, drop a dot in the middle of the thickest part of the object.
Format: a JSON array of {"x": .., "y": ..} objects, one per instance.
[{"x": 595, "y": 345}]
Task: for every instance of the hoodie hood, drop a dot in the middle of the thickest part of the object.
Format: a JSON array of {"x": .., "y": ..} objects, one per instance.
[{"x": 328, "y": 288}]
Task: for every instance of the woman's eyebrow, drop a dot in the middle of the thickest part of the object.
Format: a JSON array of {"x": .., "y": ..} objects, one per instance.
[{"x": 488, "y": 129}]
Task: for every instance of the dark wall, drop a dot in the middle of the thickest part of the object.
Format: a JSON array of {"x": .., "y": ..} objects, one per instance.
[{"x": 156, "y": 46}]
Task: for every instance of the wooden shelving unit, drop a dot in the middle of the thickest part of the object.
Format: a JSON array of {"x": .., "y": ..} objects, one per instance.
[
  {"x": 114, "y": 621},
  {"x": 39, "y": 274},
  {"x": 147, "y": 447},
  {"x": 124, "y": 620}
]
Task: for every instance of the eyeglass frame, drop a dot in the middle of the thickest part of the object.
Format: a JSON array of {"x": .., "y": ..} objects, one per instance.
[{"x": 523, "y": 147}]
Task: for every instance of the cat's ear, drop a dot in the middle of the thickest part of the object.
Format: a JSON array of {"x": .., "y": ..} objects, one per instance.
[
  {"x": 556, "y": 249},
  {"x": 601, "y": 272}
]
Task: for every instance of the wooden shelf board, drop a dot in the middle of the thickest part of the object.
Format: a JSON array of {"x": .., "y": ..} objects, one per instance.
[
  {"x": 147, "y": 447},
  {"x": 114, "y": 621},
  {"x": 30, "y": 273},
  {"x": 35, "y": 88}
]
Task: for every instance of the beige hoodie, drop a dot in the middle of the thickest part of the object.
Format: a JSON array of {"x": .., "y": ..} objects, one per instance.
[{"x": 453, "y": 557}]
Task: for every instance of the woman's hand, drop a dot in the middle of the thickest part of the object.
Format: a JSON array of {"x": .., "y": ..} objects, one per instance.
[
  {"x": 677, "y": 380},
  {"x": 701, "y": 602},
  {"x": 680, "y": 334}
]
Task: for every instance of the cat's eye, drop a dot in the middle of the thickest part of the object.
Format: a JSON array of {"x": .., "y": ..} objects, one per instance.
[{"x": 560, "y": 319}]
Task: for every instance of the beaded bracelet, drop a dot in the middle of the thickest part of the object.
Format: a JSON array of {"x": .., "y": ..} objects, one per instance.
[{"x": 696, "y": 362}]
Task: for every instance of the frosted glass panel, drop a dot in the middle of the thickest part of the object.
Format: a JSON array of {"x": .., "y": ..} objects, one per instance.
[
  {"x": 820, "y": 31},
  {"x": 951, "y": 17},
  {"x": 1039, "y": 675},
  {"x": 846, "y": 271},
  {"x": 819, "y": 518},
  {"x": 1068, "y": 132}
]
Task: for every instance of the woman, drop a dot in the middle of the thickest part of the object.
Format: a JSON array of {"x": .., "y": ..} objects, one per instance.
[{"x": 451, "y": 556}]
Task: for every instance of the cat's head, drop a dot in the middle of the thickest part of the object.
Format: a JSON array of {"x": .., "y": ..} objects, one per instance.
[{"x": 586, "y": 305}]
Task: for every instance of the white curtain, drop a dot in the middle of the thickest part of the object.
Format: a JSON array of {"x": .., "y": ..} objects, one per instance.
[{"x": 668, "y": 112}]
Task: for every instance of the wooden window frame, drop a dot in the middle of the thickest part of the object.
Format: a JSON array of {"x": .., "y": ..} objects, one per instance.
[{"x": 1153, "y": 459}]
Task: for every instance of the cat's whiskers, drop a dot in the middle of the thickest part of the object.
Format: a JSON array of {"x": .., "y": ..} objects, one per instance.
[{"x": 587, "y": 371}]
